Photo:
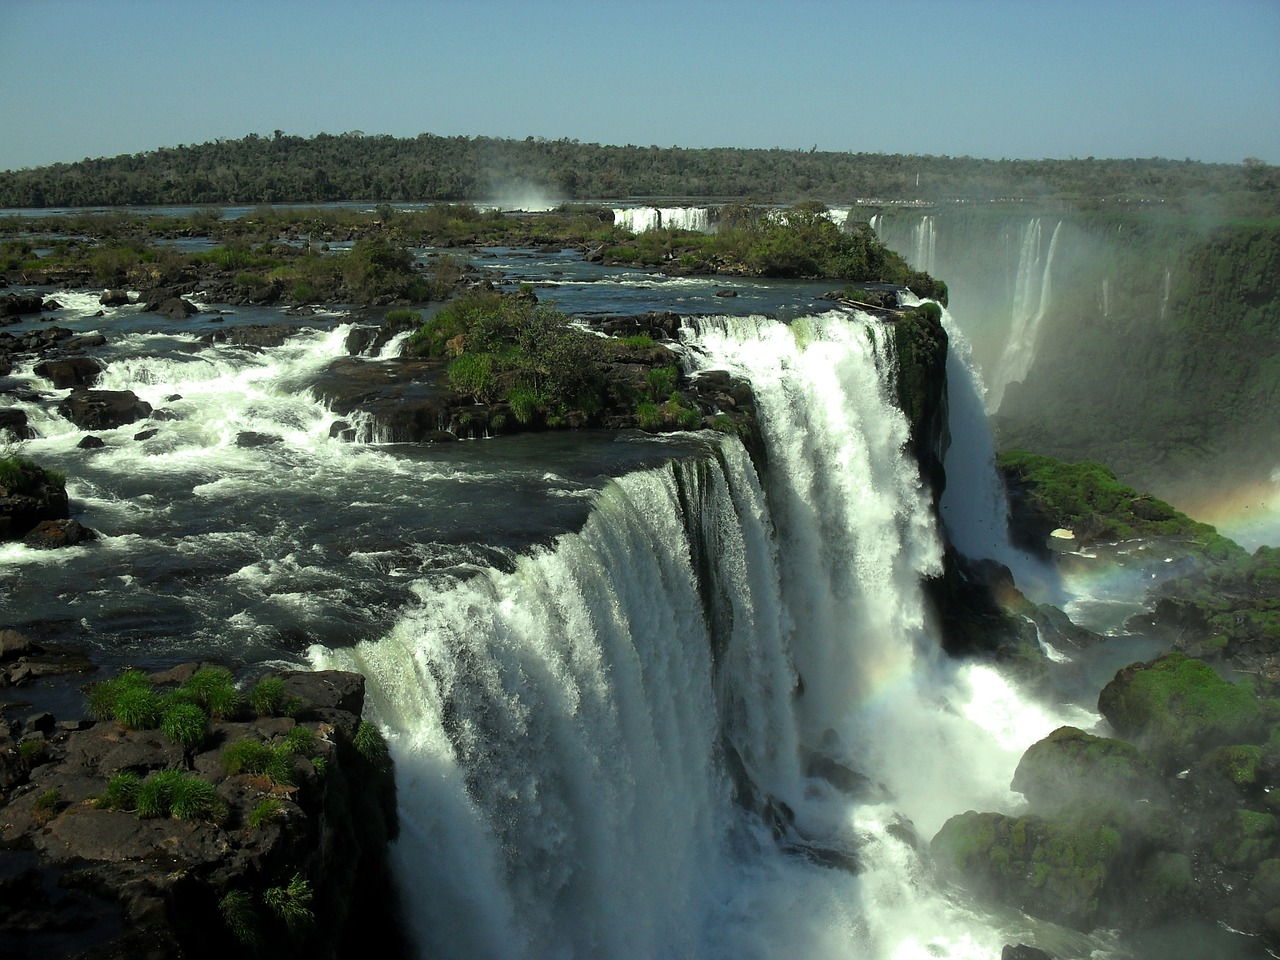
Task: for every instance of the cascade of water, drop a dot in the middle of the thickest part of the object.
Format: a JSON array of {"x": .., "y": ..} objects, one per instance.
[
  {"x": 1031, "y": 299},
  {"x": 1168, "y": 287},
  {"x": 640, "y": 219},
  {"x": 572, "y": 733},
  {"x": 926, "y": 244}
]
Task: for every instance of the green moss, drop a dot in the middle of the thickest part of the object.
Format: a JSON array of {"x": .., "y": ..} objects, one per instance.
[
  {"x": 1246, "y": 838},
  {"x": 1177, "y": 707},
  {"x": 1240, "y": 763}
]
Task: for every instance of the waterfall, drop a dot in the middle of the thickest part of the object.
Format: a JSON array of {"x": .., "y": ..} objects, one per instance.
[
  {"x": 926, "y": 244},
  {"x": 672, "y": 732},
  {"x": 1031, "y": 299},
  {"x": 640, "y": 219}
]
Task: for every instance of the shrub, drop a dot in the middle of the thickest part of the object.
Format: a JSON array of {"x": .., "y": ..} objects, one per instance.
[
  {"x": 31, "y": 751},
  {"x": 371, "y": 743},
  {"x": 662, "y": 380},
  {"x": 472, "y": 374},
  {"x": 186, "y": 724},
  {"x": 649, "y": 416},
  {"x": 196, "y": 799},
  {"x": 638, "y": 341},
  {"x": 214, "y": 689}
]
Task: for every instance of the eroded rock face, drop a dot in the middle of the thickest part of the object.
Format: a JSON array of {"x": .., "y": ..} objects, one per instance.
[{"x": 181, "y": 885}]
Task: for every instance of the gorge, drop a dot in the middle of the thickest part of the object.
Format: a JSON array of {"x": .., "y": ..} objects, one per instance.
[{"x": 648, "y": 695}]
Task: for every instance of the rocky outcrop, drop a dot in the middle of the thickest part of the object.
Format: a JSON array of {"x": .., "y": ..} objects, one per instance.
[
  {"x": 128, "y": 841},
  {"x": 29, "y": 496},
  {"x": 1179, "y": 820},
  {"x": 103, "y": 409},
  {"x": 69, "y": 373}
]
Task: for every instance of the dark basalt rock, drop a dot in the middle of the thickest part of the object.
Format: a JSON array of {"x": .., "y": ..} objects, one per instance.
[
  {"x": 91, "y": 443},
  {"x": 69, "y": 373},
  {"x": 175, "y": 308},
  {"x": 114, "y": 298},
  {"x": 14, "y": 423},
  {"x": 103, "y": 409},
  {"x": 17, "y": 304},
  {"x": 249, "y": 438},
  {"x": 75, "y": 870},
  {"x": 52, "y": 534},
  {"x": 36, "y": 497}
]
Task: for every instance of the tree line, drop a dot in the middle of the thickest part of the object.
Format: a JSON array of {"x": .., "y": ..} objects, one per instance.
[{"x": 326, "y": 168}]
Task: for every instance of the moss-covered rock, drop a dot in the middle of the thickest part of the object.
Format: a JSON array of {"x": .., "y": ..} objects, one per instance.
[
  {"x": 1175, "y": 708},
  {"x": 1245, "y": 838},
  {"x": 1071, "y": 765},
  {"x": 1057, "y": 869}
]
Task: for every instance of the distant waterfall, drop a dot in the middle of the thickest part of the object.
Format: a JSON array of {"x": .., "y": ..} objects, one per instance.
[
  {"x": 1031, "y": 299},
  {"x": 926, "y": 244},
  {"x": 640, "y": 219},
  {"x": 644, "y": 741}
]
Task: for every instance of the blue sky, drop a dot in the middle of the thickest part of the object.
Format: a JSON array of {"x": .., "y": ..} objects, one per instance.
[{"x": 989, "y": 78}]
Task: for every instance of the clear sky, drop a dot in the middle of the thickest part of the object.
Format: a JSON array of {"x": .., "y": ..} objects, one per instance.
[{"x": 984, "y": 78}]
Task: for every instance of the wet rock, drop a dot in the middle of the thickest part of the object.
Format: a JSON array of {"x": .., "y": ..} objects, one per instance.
[
  {"x": 13, "y": 644},
  {"x": 17, "y": 304},
  {"x": 14, "y": 422},
  {"x": 114, "y": 298},
  {"x": 69, "y": 373},
  {"x": 250, "y": 438},
  {"x": 1021, "y": 951},
  {"x": 53, "y": 534},
  {"x": 103, "y": 409},
  {"x": 175, "y": 308},
  {"x": 91, "y": 443}
]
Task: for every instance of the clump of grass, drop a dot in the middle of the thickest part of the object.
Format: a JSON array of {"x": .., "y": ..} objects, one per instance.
[
  {"x": 137, "y": 708},
  {"x": 299, "y": 740},
  {"x": 122, "y": 792},
  {"x": 241, "y": 916},
  {"x": 253, "y": 756},
  {"x": 172, "y": 793},
  {"x": 197, "y": 799},
  {"x": 268, "y": 699},
  {"x": 46, "y": 806},
  {"x": 371, "y": 744},
  {"x": 103, "y": 696},
  {"x": 155, "y": 794},
  {"x": 213, "y": 689},
  {"x": 186, "y": 724},
  {"x": 291, "y": 903},
  {"x": 318, "y": 764},
  {"x": 31, "y": 751},
  {"x": 245, "y": 756},
  {"x": 266, "y": 810}
]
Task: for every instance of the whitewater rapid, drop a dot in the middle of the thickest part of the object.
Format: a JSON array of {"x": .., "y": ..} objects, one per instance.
[{"x": 673, "y": 732}]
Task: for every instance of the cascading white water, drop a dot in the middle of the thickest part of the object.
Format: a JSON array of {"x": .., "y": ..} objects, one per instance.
[
  {"x": 640, "y": 219},
  {"x": 571, "y": 734},
  {"x": 926, "y": 245},
  {"x": 1031, "y": 299}
]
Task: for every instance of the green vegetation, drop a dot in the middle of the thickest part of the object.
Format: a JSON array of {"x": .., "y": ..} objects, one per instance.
[
  {"x": 1087, "y": 498},
  {"x": 121, "y": 793},
  {"x": 268, "y": 699},
  {"x": 350, "y": 166},
  {"x": 241, "y": 917},
  {"x": 514, "y": 351},
  {"x": 213, "y": 690},
  {"x": 371, "y": 744},
  {"x": 46, "y": 806},
  {"x": 291, "y": 903},
  {"x": 186, "y": 725},
  {"x": 266, "y": 810},
  {"x": 179, "y": 795},
  {"x": 21, "y": 475},
  {"x": 31, "y": 751},
  {"x": 1175, "y": 707}
]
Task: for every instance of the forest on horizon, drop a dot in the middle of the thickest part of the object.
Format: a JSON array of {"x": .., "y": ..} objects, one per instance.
[{"x": 352, "y": 166}]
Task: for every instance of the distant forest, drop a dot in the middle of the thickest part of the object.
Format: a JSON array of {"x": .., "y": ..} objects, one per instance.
[{"x": 352, "y": 166}]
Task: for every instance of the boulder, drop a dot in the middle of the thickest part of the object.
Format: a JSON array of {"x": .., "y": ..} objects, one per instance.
[
  {"x": 103, "y": 409},
  {"x": 1071, "y": 765},
  {"x": 1175, "y": 708},
  {"x": 175, "y": 308},
  {"x": 52, "y": 534},
  {"x": 14, "y": 423},
  {"x": 17, "y": 304},
  {"x": 1057, "y": 870},
  {"x": 69, "y": 373},
  {"x": 29, "y": 496},
  {"x": 114, "y": 298}
]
